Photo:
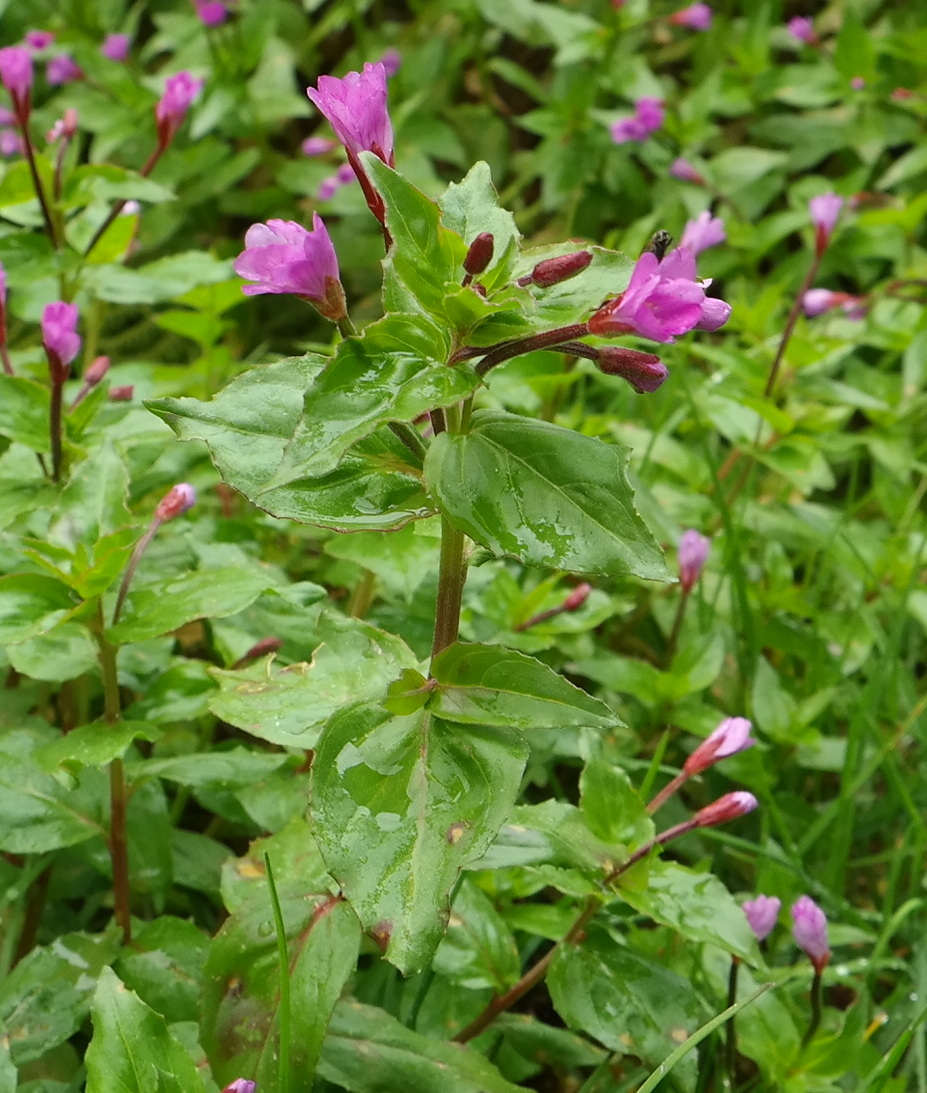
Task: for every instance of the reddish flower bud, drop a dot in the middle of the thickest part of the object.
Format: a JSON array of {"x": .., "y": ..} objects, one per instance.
[
  {"x": 577, "y": 597},
  {"x": 121, "y": 394},
  {"x": 730, "y": 737},
  {"x": 693, "y": 552},
  {"x": 178, "y": 499},
  {"x": 96, "y": 371},
  {"x": 762, "y": 913},
  {"x": 809, "y": 929},
  {"x": 729, "y": 807},
  {"x": 685, "y": 172},
  {"x": 554, "y": 270},
  {"x": 479, "y": 254},
  {"x": 60, "y": 338},
  {"x": 179, "y": 92},
  {"x": 644, "y": 371}
]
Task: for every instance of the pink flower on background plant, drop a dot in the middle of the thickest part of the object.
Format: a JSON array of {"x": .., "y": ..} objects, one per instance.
[
  {"x": 824, "y": 210},
  {"x": 318, "y": 146},
  {"x": 355, "y": 107},
  {"x": 11, "y": 143},
  {"x": 685, "y": 172},
  {"x": 663, "y": 300},
  {"x": 818, "y": 300},
  {"x": 809, "y": 929},
  {"x": 16, "y": 76},
  {"x": 729, "y": 738},
  {"x": 693, "y": 553},
  {"x": 802, "y": 29},
  {"x": 64, "y": 127},
  {"x": 241, "y": 1085},
  {"x": 60, "y": 338},
  {"x": 7, "y": 117},
  {"x": 39, "y": 39},
  {"x": 328, "y": 187},
  {"x": 762, "y": 914},
  {"x": 116, "y": 47},
  {"x": 858, "y": 83},
  {"x": 391, "y": 61},
  {"x": 179, "y": 92},
  {"x": 62, "y": 69},
  {"x": 178, "y": 499},
  {"x": 647, "y": 118},
  {"x": 703, "y": 232},
  {"x": 282, "y": 257},
  {"x": 644, "y": 371},
  {"x": 212, "y": 13},
  {"x": 695, "y": 17}
]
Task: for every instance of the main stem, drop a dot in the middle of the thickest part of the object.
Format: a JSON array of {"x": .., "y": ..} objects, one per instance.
[
  {"x": 451, "y": 577},
  {"x": 118, "y": 798},
  {"x": 54, "y": 425}
]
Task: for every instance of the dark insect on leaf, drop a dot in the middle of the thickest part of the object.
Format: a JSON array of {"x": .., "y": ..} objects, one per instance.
[{"x": 660, "y": 243}]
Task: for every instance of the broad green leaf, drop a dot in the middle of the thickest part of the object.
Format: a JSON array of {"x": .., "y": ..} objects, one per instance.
[
  {"x": 400, "y": 805},
  {"x": 400, "y": 559},
  {"x": 368, "y": 1051},
  {"x": 611, "y": 806},
  {"x": 697, "y": 905},
  {"x": 627, "y": 1002},
  {"x": 94, "y": 745},
  {"x": 575, "y": 299},
  {"x": 159, "y": 608},
  {"x": 66, "y": 652},
  {"x": 247, "y": 427},
  {"x": 164, "y": 966},
  {"x": 544, "y": 494},
  {"x": 471, "y": 207},
  {"x": 24, "y": 408},
  {"x": 132, "y": 1049},
  {"x": 106, "y": 182},
  {"x": 395, "y": 371},
  {"x": 93, "y": 502},
  {"x": 242, "y": 985},
  {"x": 45, "y": 999},
  {"x": 425, "y": 255},
  {"x": 492, "y": 685},
  {"x": 288, "y": 704},
  {"x": 238, "y": 767},
  {"x": 31, "y": 604},
  {"x": 478, "y": 950}
]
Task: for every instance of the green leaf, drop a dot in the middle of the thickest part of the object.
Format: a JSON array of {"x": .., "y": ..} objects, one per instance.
[
  {"x": 106, "y": 182},
  {"x": 159, "y": 608},
  {"x": 24, "y": 408},
  {"x": 425, "y": 256},
  {"x": 247, "y": 427},
  {"x": 132, "y": 1049},
  {"x": 237, "y": 767},
  {"x": 165, "y": 965},
  {"x": 400, "y": 805},
  {"x": 697, "y": 905},
  {"x": 611, "y": 806},
  {"x": 93, "y": 503},
  {"x": 627, "y": 1002},
  {"x": 242, "y": 986},
  {"x": 94, "y": 745},
  {"x": 492, "y": 685},
  {"x": 64, "y": 653},
  {"x": 45, "y": 999},
  {"x": 31, "y": 604},
  {"x": 547, "y": 495},
  {"x": 478, "y": 950},
  {"x": 400, "y": 559},
  {"x": 288, "y": 704},
  {"x": 8, "y": 1074},
  {"x": 395, "y": 371},
  {"x": 471, "y": 207},
  {"x": 368, "y": 1051}
]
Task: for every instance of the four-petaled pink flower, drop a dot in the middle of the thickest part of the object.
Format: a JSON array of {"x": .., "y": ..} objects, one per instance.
[
  {"x": 116, "y": 47},
  {"x": 39, "y": 39},
  {"x": 60, "y": 338},
  {"x": 212, "y": 13},
  {"x": 762, "y": 914},
  {"x": 16, "y": 77},
  {"x": 686, "y": 172},
  {"x": 63, "y": 69},
  {"x": 282, "y": 257},
  {"x": 646, "y": 119},
  {"x": 802, "y": 29},
  {"x": 663, "y": 300},
  {"x": 695, "y": 17},
  {"x": 818, "y": 300},
  {"x": 355, "y": 107},
  {"x": 179, "y": 92},
  {"x": 693, "y": 552},
  {"x": 809, "y": 929},
  {"x": 703, "y": 232},
  {"x": 730, "y": 737},
  {"x": 824, "y": 210}
]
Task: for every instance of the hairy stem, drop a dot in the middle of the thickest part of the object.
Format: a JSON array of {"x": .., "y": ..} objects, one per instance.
[
  {"x": 451, "y": 577},
  {"x": 54, "y": 426}
]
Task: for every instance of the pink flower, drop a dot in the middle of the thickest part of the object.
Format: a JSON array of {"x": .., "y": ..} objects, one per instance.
[
  {"x": 116, "y": 47},
  {"x": 240, "y": 1085},
  {"x": 318, "y": 146},
  {"x": 62, "y": 69},
  {"x": 345, "y": 174},
  {"x": 729, "y": 807},
  {"x": 693, "y": 552},
  {"x": 818, "y": 300},
  {"x": 178, "y": 499},
  {"x": 762, "y": 913},
  {"x": 179, "y": 92},
  {"x": 39, "y": 39},
  {"x": 328, "y": 187},
  {"x": 16, "y": 76},
  {"x": 212, "y": 13},
  {"x": 646, "y": 119},
  {"x": 121, "y": 394},
  {"x": 809, "y": 929},
  {"x": 802, "y": 29},
  {"x": 64, "y": 127},
  {"x": 391, "y": 61},
  {"x": 644, "y": 371},
  {"x": 730, "y": 737},
  {"x": 11, "y": 143},
  {"x": 662, "y": 300},
  {"x": 7, "y": 117},
  {"x": 703, "y": 232},
  {"x": 858, "y": 83},
  {"x": 824, "y": 209},
  {"x": 695, "y": 17},
  {"x": 685, "y": 172},
  {"x": 355, "y": 107},
  {"x": 60, "y": 338},
  {"x": 284, "y": 258}
]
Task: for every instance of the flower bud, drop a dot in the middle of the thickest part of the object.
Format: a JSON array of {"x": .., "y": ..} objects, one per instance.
[
  {"x": 240, "y": 1085},
  {"x": 96, "y": 371},
  {"x": 730, "y": 737},
  {"x": 729, "y": 807},
  {"x": 824, "y": 209},
  {"x": 479, "y": 254},
  {"x": 809, "y": 929},
  {"x": 178, "y": 499},
  {"x": 116, "y": 47},
  {"x": 693, "y": 552},
  {"x": 685, "y": 172},
  {"x": 121, "y": 394},
  {"x": 60, "y": 338},
  {"x": 16, "y": 77},
  {"x": 577, "y": 597},
  {"x": 762, "y": 913},
  {"x": 644, "y": 371},
  {"x": 554, "y": 270},
  {"x": 318, "y": 146}
]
